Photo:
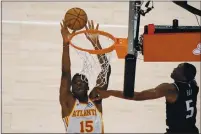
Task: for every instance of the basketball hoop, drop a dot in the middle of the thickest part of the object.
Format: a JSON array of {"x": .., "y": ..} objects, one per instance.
[
  {"x": 100, "y": 51},
  {"x": 91, "y": 66}
]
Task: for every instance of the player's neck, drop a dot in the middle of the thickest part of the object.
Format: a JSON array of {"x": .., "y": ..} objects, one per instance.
[
  {"x": 84, "y": 100},
  {"x": 181, "y": 81}
]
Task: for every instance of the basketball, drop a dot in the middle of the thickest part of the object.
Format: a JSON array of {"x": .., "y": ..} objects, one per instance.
[{"x": 76, "y": 18}]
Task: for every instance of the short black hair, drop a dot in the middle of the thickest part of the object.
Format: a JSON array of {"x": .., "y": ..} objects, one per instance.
[
  {"x": 189, "y": 71},
  {"x": 83, "y": 77}
]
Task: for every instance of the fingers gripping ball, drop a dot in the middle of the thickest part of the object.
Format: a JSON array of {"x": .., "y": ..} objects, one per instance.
[{"x": 76, "y": 18}]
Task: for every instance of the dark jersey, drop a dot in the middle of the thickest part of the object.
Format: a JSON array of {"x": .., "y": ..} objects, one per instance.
[{"x": 181, "y": 115}]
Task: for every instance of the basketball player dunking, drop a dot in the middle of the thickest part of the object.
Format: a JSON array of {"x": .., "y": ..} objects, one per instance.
[
  {"x": 181, "y": 99},
  {"x": 79, "y": 113}
]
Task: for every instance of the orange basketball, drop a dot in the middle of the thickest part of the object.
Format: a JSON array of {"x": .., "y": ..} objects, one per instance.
[{"x": 76, "y": 18}]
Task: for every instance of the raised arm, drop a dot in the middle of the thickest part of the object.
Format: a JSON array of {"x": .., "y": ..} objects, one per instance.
[
  {"x": 104, "y": 63},
  {"x": 94, "y": 39},
  {"x": 163, "y": 90},
  {"x": 65, "y": 97}
]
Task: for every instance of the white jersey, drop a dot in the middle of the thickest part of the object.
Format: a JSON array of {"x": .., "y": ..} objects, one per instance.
[{"x": 84, "y": 118}]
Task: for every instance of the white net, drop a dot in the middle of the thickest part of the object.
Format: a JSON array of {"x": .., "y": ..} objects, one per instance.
[{"x": 94, "y": 67}]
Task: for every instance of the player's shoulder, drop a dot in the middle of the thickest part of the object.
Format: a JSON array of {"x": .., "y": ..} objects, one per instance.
[
  {"x": 171, "y": 92},
  {"x": 68, "y": 107},
  {"x": 194, "y": 82},
  {"x": 169, "y": 86}
]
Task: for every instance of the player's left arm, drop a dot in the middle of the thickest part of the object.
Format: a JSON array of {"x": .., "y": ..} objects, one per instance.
[{"x": 162, "y": 90}]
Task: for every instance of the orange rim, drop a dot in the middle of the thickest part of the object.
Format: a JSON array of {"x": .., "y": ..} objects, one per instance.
[{"x": 101, "y": 51}]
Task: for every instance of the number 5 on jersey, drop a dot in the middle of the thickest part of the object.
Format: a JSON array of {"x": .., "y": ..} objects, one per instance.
[
  {"x": 189, "y": 108},
  {"x": 86, "y": 126}
]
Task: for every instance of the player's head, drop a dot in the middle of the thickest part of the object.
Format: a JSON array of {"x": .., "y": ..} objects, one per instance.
[
  {"x": 185, "y": 72},
  {"x": 80, "y": 86}
]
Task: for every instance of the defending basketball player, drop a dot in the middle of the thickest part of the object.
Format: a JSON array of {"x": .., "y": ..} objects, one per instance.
[
  {"x": 181, "y": 99},
  {"x": 80, "y": 114}
]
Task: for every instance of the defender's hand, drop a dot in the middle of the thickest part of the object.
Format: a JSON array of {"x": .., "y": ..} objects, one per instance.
[
  {"x": 93, "y": 38},
  {"x": 102, "y": 94}
]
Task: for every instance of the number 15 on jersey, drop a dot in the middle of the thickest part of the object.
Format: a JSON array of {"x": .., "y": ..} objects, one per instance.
[{"x": 86, "y": 126}]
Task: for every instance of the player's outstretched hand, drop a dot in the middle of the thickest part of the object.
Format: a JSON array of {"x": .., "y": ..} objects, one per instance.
[
  {"x": 93, "y": 38},
  {"x": 65, "y": 32}
]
